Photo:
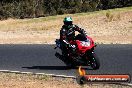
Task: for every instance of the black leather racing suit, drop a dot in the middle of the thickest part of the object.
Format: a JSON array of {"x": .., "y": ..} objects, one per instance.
[{"x": 67, "y": 33}]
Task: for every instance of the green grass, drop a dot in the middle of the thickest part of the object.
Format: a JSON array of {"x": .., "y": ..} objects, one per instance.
[{"x": 101, "y": 12}]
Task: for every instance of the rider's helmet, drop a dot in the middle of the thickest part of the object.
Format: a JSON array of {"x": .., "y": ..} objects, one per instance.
[{"x": 67, "y": 21}]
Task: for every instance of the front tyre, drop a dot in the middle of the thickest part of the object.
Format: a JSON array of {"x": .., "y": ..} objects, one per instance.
[{"x": 94, "y": 61}]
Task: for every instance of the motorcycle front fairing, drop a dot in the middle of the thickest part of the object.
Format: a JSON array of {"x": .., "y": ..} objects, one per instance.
[{"x": 86, "y": 45}]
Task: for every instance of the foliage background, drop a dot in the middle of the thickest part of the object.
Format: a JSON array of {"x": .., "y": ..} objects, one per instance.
[{"x": 41, "y": 8}]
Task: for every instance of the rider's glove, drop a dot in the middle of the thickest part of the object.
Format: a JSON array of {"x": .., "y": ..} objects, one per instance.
[
  {"x": 72, "y": 47},
  {"x": 84, "y": 32}
]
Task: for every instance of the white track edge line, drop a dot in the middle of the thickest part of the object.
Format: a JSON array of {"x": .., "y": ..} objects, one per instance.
[
  {"x": 129, "y": 84},
  {"x": 4, "y": 70},
  {"x": 37, "y": 73}
]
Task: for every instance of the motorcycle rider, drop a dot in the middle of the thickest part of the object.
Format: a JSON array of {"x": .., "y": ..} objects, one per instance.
[{"x": 67, "y": 34}]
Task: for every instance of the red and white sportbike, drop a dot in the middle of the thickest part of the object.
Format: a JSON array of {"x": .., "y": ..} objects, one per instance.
[{"x": 82, "y": 54}]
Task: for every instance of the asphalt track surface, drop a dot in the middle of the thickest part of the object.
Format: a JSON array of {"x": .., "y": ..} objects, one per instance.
[{"x": 39, "y": 58}]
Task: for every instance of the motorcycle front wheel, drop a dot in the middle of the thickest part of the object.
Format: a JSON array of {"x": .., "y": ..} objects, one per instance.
[{"x": 94, "y": 61}]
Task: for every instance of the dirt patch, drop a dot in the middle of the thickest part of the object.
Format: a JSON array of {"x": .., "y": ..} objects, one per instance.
[
  {"x": 12, "y": 80},
  {"x": 39, "y": 32}
]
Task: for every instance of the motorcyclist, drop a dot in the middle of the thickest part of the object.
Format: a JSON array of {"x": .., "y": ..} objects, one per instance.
[{"x": 67, "y": 34}]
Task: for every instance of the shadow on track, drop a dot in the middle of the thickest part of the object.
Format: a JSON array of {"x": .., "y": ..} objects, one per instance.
[
  {"x": 55, "y": 68},
  {"x": 50, "y": 67}
]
